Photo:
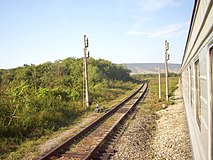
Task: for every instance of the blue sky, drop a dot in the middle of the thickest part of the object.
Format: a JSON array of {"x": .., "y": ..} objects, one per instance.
[{"x": 122, "y": 31}]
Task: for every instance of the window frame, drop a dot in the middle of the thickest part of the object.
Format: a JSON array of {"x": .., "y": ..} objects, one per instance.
[{"x": 197, "y": 92}]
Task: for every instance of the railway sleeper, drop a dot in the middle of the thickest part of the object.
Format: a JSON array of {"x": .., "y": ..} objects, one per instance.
[
  {"x": 105, "y": 154},
  {"x": 78, "y": 155}
]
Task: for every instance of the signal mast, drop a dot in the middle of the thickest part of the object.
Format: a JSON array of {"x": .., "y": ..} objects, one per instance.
[
  {"x": 166, "y": 69},
  {"x": 85, "y": 73}
]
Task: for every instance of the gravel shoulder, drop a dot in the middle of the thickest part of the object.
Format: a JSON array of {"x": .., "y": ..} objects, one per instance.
[{"x": 163, "y": 135}]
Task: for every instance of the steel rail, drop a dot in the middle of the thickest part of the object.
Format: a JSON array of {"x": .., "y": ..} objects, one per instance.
[
  {"x": 74, "y": 138},
  {"x": 114, "y": 128}
]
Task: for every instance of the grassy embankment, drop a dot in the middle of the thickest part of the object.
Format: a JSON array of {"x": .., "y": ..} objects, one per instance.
[
  {"x": 15, "y": 148},
  {"x": 152, "y": 103}
]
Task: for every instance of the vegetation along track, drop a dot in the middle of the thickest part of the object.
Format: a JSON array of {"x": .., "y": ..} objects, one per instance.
[{"x": 90, "y": 142}]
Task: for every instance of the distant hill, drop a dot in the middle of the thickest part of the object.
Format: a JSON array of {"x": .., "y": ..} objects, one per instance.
[{"x": 144, "y": 68}]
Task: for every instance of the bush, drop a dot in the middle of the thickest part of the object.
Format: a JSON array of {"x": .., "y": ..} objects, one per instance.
[{"x": 49, "y": 96}]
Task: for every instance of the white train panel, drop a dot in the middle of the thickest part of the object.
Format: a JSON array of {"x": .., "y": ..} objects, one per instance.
[
  {"x": 197, "y": 80},
  {"x": 203, "y": 100}
]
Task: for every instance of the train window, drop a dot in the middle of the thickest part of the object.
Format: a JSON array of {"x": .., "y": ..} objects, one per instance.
[
  {"x": 211, "y": 61},
  {"x": 211, "y": 73},
  {"x": 197, "y": 85},
  {"x": 190, "y": 84}
]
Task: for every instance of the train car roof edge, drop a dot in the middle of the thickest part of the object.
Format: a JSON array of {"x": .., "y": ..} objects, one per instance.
[{"x": 190, "y": 29}]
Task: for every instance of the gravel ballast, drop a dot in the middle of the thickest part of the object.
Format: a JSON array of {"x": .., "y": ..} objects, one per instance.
[{"x": 163, "y": 135}]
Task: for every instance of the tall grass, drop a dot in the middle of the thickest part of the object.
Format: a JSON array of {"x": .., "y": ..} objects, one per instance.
[
  {"x": 64, "y": 115},
  {"x": 152, "y": 103}
]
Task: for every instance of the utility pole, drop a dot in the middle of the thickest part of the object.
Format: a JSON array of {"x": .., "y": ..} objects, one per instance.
[
  {"x": 85, "y": 74},
  {"x": 159, "y": 86},
  {"x": 166, "y": 69}
]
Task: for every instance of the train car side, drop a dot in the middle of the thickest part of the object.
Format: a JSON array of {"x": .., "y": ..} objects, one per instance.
[{"x": 197, "y": 80}]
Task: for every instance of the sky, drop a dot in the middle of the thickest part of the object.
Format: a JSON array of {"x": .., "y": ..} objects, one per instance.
[{"x": 121, "y": 31}]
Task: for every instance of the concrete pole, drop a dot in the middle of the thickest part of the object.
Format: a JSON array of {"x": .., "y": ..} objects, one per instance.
[
  {"x": 166, "y": 69},
  {"x": 86, "y": 44},
  {"x": 159, "y": 86}
]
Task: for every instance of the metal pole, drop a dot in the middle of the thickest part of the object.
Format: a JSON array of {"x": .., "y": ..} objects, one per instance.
[
  {"x": 86, "y": 44},
  {"x": 166, "y": 69},
  {"x": 159, "y": 83}
]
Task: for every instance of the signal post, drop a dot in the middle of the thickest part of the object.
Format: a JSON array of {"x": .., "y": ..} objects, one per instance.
[
  {"x": 166, "y": 69},
  {"x": 85, "y": 73}
]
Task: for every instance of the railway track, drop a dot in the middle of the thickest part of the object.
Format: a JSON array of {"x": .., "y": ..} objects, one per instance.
[{"x": 93, "y": 141}]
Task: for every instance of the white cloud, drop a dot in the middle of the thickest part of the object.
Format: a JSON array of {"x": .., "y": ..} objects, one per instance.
[
  {"x": 153, "y": 5},
  {"x": 171, "y": 30}
]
